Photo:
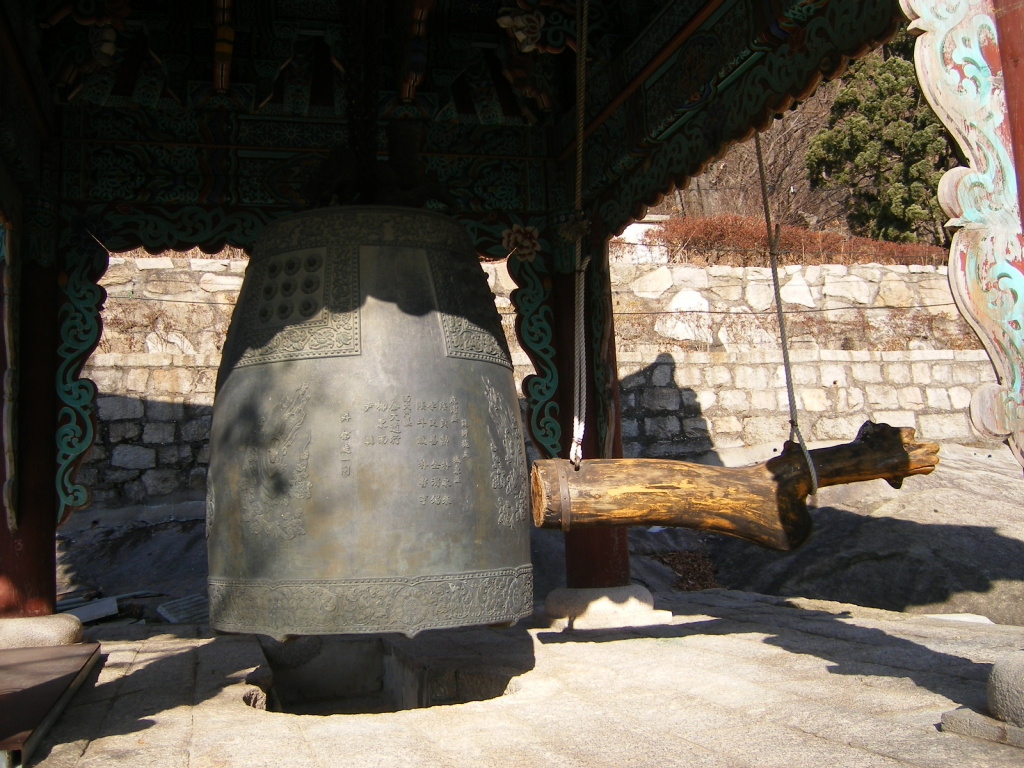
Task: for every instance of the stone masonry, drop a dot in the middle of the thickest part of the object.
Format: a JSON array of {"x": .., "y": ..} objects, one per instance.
[
  {"x": 700, "y": 362},
  {"x": 155, "y": 370},
  {"x": 701, "y": 365}
]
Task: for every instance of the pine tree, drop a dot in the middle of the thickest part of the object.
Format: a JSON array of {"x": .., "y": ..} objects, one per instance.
[{"x": 886, "y": 148}]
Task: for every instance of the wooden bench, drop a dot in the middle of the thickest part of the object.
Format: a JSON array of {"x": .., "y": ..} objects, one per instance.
[{"x": 35, "y": 686}]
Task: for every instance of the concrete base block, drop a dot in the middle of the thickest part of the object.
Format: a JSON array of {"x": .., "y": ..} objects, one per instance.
[
  {"x": 607, "y": 608},
  {"x": 40, "y": 631},
  {"x": 967, "y": 722},
  {"x": 1006, "y": 690}
]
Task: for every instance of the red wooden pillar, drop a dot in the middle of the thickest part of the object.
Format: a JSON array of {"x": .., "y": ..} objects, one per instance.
[
  {"x": 27, "y": 555},
  {"x": 1010, "y": 28},
  {"x": 594, "y": 557}
]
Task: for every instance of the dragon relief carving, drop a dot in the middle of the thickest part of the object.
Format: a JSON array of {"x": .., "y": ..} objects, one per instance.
[{"x": 276, "y": 472}]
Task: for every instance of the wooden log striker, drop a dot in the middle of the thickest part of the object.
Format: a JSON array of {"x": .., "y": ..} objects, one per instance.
[{"x": 765, "y": 503}]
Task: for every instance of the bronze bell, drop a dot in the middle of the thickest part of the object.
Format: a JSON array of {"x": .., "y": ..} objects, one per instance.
[{"x": 367, "y": 469}]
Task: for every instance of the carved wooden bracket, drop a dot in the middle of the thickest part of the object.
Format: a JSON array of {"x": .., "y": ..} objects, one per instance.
[{"x": 961, "y": 75}]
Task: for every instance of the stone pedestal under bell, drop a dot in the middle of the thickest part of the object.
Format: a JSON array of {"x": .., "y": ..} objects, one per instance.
[{"x": 603, "y": 608}]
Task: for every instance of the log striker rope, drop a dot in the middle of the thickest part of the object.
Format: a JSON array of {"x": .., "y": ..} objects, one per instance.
[
  {"x": 773, "y": 244},
  {"x": 580, "y": 352}
]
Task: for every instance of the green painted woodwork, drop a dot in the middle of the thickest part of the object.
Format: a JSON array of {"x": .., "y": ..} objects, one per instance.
[
  {"x": 84, "y": 262},
  {"x": 148, "y": 151},
  {"x": 535, "y": 329}
]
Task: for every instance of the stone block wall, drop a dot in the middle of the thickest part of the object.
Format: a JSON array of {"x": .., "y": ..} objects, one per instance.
[
  {"x": 155, "y": 369},
  {"x": 701, "y": 365},
  {"x": 690, "y": 402},
  {"x": 699, "y": 357},
  {"x": 154, "y": 412}
]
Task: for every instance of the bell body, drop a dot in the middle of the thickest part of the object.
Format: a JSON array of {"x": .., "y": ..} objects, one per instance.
[{"x": 367, "y": 469}]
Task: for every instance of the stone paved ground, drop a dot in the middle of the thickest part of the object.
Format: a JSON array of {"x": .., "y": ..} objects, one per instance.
[{"x": 738, "y": 679}]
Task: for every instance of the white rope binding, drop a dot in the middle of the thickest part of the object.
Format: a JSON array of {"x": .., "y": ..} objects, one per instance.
[{"x": 580, "y": 352}]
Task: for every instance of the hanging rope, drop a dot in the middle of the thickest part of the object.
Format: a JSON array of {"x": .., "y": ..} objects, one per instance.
[
  {"x": 773, "y": 245},
  {"x": 580, "y": 352}
]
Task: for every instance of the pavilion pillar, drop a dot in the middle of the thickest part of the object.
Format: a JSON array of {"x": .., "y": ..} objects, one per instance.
[
  {"x": 27, "y": 553},
  {"x": 596, "y": 557},
  {"x": 1009, "y": 16},
  {"x": 56, "y": 326}
]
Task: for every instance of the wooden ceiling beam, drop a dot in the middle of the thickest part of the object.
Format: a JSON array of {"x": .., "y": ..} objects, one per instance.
[
  {"x": 20, "y": 71},
  {"x": 652, "y": 66}
]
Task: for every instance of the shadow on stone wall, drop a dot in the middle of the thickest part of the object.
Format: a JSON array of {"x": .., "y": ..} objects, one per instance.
[
  {"x": 147, "y": 453},
  {"x": 661, "y": 419}
]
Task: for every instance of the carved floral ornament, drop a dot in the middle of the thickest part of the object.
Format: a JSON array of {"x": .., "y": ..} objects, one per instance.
[
  {"x": 544, "y": 26},
  {"x": 960, "y": 72},
  {"x": 524, "y": 26},
  {"x": 522, "y": 242}
]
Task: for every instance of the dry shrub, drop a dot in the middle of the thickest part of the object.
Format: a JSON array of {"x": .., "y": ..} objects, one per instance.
[
  {"x": 125, "y": 326},
  {"x": 229, "y": 252},
  {"x": 741, "y": 241},
  {"x": 693, "y": 567}
]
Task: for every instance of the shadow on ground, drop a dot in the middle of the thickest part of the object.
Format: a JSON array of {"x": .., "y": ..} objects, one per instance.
[
  {"x": 149, "y": 674},
  {"x": 887, "y": 562},
  {"x": 848, "y": 648}
]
